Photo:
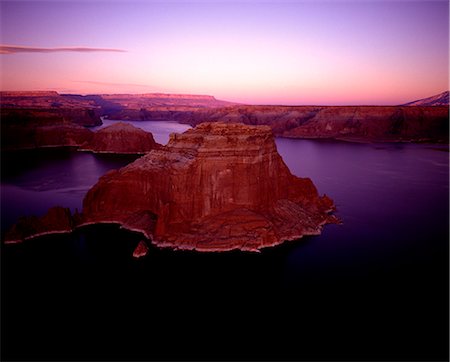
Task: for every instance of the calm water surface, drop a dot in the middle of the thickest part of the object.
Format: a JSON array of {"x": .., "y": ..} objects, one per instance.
[
  {"x": 160, "y": 130},
  {"x": 375, "y": 287}
]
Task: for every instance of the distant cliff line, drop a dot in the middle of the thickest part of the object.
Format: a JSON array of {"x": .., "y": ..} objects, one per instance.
[
  {"x": 441, "y": 99},
  {"x": 350, "y": 123},
  {"x": 418, "y": 122}
]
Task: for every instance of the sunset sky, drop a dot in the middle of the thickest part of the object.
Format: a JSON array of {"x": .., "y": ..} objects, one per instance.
[{"x": 295, "y": 52}]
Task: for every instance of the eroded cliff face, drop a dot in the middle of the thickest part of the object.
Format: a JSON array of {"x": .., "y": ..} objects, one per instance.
[
  {"x": 350, "y": 123},
  {"x": 34, "y": 128},
  {"x": 120, "y": 138},
  {"x": 377, "y": 124},
  {"x": 58, "y": 135},
  {"x": 421, "y": 123},
  {"x": 57, "y": 220},
  {"x": 216, "y": 187},
  {"x": 38, "y": 111}
]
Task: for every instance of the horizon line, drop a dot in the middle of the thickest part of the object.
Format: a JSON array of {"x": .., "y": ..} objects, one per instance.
[{"x": 232, "y": 102}]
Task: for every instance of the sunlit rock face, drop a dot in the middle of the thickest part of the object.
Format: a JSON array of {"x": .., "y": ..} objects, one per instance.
[
  {"x": 141, "y": 250},
  {"x": 216, "y": 187},
  {"x": 441, "y": 99},
  {"x": 350, "y": 123},
  {"x": 120, "y": 138}
]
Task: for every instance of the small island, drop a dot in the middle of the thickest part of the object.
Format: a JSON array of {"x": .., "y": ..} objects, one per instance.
[{"x": 120, "y": 138}]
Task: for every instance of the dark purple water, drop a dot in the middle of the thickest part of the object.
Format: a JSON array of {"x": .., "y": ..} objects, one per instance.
[{"x": 373, "y": 288}]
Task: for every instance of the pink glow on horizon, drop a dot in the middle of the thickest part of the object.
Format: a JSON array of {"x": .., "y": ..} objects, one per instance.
[{"x": 332, "y": 53}]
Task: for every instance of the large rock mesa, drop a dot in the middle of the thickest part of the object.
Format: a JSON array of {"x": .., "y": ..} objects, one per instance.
[{"x": 213, "y": 188}]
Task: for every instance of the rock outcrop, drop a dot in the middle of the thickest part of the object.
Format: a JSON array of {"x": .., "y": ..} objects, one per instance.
[
  {"x": 23, "y": 128},
  {"x": 216, "y": 187},
  {"x": 441, "y": 99},
  {"x": 57, "y": 220},
  {"x": 140, "y": 250},
  {"x": 120, "y": 138},
  {"x": 349, "y": 123},
  {"x": 213, "y": 188},
  {"x": 426, "y": 122},
  {"x": 40, "y": 107},
  {"x": 18, "y": 137}
]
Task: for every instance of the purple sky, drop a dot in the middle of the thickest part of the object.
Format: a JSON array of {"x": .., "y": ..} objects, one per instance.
[{"x": 296, "y": 52}]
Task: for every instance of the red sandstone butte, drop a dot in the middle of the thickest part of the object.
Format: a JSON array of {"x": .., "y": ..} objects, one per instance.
[
  {"x": 216, "y": 187},
  {"x": 120, "y": 138}
]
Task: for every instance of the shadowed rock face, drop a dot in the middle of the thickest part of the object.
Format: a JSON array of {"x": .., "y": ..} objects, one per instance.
[
  {"x": 60, "y": 135},
  {"x": 120, "y": 138},
  {"x": 48, "y": 115},
  {"x": 216, "y": 187},
  {"x": 34, "y": 128},
  {"x": 426, "y": 122},
  {"x": 57, "y": 220},
  {"x": 350, "y": 123}
]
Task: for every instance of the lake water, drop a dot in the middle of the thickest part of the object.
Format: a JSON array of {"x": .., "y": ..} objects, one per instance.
[
  {"x": 160, "y": 130},
  {"x": 375, "y": 287}
]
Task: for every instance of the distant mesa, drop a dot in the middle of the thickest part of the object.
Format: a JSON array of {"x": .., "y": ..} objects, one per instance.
[
  {"x": 47, "y": 100},
  {"x": 161, "y": 96},
  {"x": 348, "y": 123},
  {"x": 46, "y": 108},
  {"x": 441, "y": 99},
  {"x": 29, "y": 94},
  {"x": 140, "y": 106},
  {"x": 217, "y": 187},
  {"x": 419, "y": 121},
  {"x": 120, "y": 138}
]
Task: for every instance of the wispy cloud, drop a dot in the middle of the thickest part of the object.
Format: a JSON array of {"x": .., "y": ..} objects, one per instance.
[
  {"x": 112, "y": 84},
  {"x": 13, "y": 49}
]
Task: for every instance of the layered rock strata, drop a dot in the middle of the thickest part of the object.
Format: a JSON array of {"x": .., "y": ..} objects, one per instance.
[
  {"x": 60, "y": 135},
  {"x": 58, "y": 220},
  {"x": 216, "y": 187},
  {"x": 120, "y": 138},
  {"x": 349, "y": 123},
  {"x": 427, "y": 121}
]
